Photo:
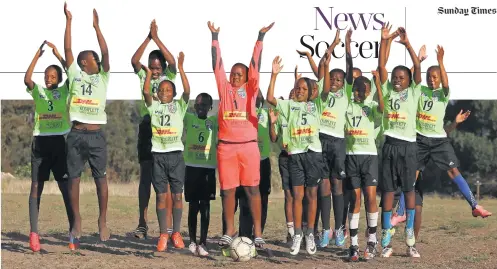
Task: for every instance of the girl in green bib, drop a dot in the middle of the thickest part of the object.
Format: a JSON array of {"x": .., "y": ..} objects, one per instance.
[
  {"x": 167, "y": 117},
  {"x": 163, "y": 66},
  {"x": 48, "y": 149}
]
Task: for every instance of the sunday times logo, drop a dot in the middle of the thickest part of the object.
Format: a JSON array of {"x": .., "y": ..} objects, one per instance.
[
  {"x": 336, "y": 19},
  {"x": 467, "y": 11}
]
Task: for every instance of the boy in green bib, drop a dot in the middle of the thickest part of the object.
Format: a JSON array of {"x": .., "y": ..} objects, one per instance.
[
  {"x": 306, "y": 160},
  {"x": 86, "y": 141},
  {"x": 48, "y": 149},
  {"x": 167, "y": 116},
  {"x": 163, "y": 66},
  {"x": 200, "y": 175},
  {"x": 400, "y": 150},
  {"x": 362, "y": 162}
]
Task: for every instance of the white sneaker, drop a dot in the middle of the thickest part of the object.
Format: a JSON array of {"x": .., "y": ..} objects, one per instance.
[
  {"x": 413, "y": 252},
  {"x": 202, "y": 250},
  {"x": 297, "y": 241},
  {"x": 386, "y": 252},
  {"x": 310, "y": 244},
  {"x": 193, "y": 248}
]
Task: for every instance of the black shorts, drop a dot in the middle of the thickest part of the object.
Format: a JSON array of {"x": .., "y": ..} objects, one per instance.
[
  {"x": 145, "y": 140},
  {"x": 200, "y": 184},
  {"x": 86, "y": 145},
  {"x": 362, "y": 171},
  {"x": 399, "y": 165},
  {"x": 439, "y": 150},
  {"x": 333, "y": 156},
  {"x": 48, "y": 153},
  {"x": 284, "y": 171},
  {"x": 306, "y": 169},
  {"x": 265, "y": 183},
  {"x": 169, "y": 169}
]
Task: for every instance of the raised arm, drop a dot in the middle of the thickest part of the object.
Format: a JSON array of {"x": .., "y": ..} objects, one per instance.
[
  {"x": 101, "y": 42},
  {"x": 376, "y": 78},
  {"x": 325, "y": 69},
  {"x": 167, "y": 55},
  {"x": 328, "y": 52},
  {"x": 461, "y": 117},
  {"x": 382, "y": 60},
  {"x": 29, "y": 73},
  {"x": 277, "y": 67},
  {"x": 146, "y": 86},
  {"x": 273, "y": 116},
  {"x": 349, "y": 65},
  {"x": 67, "y": 37},
  {"x": 57, "y": 55},
  {"x": 217, "y": 61},
  {"x": 312, "y": 63},
  {"x": 421, "y": 56},
  {"x": 184, "y": 79},
  {"x": 414, "y": 58},
  {"x": 135, "y": 60},
  {"x": 443, "y": 73},
  {"x": 255, "y": 62}
]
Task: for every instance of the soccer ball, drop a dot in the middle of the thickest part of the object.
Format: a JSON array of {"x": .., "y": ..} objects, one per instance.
[{"x": 242, "y": 249}]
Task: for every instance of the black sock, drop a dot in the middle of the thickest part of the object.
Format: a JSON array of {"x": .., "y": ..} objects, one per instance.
[
  {"x": 205, "y": 212},
  {"x": 245, "y": 218},
  {"x": 63, "y": 187},
  {"x": 177, "y": 212},
  {"x": 33, "y": 214},
  {"x": 318, "y": 214},
  {"x": 265, "y": 201},
  {"x": 193, "y": 208},
  {"x": 161, "y": 216},
  {"x": 326, "y": 212},
  {"x": 346, "y": 205},
  {"x": 144, "y": 189},
  {"x": 338, "y": 210}
]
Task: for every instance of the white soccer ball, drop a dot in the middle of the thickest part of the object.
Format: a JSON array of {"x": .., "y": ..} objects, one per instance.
[{"x": 242, "y": 249}]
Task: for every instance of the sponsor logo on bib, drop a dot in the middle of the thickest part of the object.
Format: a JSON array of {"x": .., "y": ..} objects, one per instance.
[
  {"x": 208, "y": 125},
  {"x": 56, "y": 94},
  {"x": 260, "y": 116},
  {"x": 241, "y": 92},
  {"x": 404, "y": 95}
]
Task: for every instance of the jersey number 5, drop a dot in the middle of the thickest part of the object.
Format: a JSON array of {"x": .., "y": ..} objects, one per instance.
[{"x": 304, "y": 119}]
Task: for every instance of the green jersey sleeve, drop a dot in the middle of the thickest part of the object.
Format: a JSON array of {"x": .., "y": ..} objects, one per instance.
[{"x": 263, "y": 139}]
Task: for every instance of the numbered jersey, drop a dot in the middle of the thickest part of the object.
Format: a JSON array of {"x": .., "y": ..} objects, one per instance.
[
  {"x": 263, "y": 138},
  {"x": 333, "y": 117},
  {"x": 201, "y": 140},
  {"x": 51, "y": 117},
  {"x": 431, "y": 112},
  {"x": 88, "y": 95},
  {"x": 400, "y": 111},
  {"x": 167, "y": 125},
  {"x": 303, "y": 123},
  {"x": 154, "y": 85},
  {"x": 360, "y": 131}
]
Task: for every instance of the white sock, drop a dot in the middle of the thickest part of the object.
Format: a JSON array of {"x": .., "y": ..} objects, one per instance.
[
  {"x": 354, "y": 240},
  {"x": 291, "y": 230},
  {"x": 373, "y": 223}
]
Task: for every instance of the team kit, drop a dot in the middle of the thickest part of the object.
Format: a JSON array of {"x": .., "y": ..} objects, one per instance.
[{"x": 327, "y": 130}]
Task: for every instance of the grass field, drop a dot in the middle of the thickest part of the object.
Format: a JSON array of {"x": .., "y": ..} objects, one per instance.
[{"x": 450, "y": 236}]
